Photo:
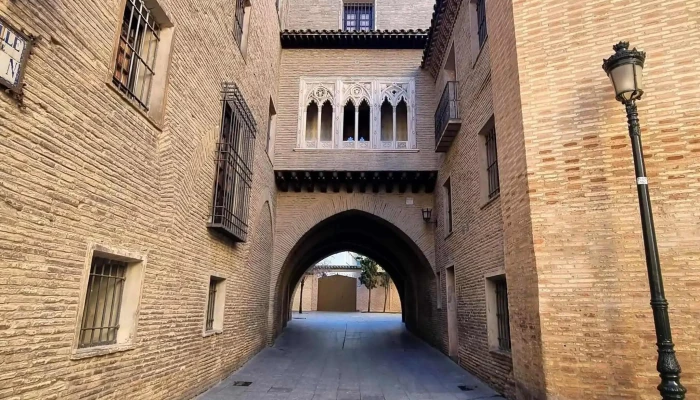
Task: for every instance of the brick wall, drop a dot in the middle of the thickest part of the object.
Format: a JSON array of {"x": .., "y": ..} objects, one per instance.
[
  {"x": 475, "y": 245},
  {"x": 310, "y": 301},
  {"x": 569, "y": 161},
  {"x": 352, "y": 63},
  {"x": 389, "y": 14},
  {"x": 80, "y": 165},
  {"x": 393, "y": 303}
]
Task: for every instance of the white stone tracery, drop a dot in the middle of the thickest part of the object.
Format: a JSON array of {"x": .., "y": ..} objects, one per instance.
[{"x": 341, "y": 91}]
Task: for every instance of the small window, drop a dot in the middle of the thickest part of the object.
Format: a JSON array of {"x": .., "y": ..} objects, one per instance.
[
  {"x": 215, "y": 306},
  {"x": 271, "y": 125},
  {"x": 242, "y": 24},
  {"x": 494, "y": 187},
  {"x": 363, "y": 122},
  {"x": 311, "y": 121},
  {"x": 402, "y": 121},
  {"x": 102, "y": 303},
  {"x": 481, "y": 21},
  {"x": 358, "y": 16},
  {"x": 234, "y": 166},
  {"x": 349, "y": 122},
  {"x": 110, "y": 301},
  {"x": 448, "y": 206},
  {"x": 387, "y": 112},
  {"x": 498, "y": 317},
  {"x": 327, "y": 122}
]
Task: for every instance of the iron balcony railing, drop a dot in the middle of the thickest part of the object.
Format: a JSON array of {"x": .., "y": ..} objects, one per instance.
[{"x": 448, "y": 109}]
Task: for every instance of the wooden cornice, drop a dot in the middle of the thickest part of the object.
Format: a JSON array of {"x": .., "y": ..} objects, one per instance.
[{"x": 376, "y": 181}]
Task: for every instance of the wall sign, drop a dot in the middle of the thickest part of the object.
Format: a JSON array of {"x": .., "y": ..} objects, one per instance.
[{"x": 14, "y": 52}]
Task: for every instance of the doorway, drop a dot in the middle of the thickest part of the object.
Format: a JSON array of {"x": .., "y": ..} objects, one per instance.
[
  {"x": 452, "y": 329},
  {"x": 337, "y": 293}
]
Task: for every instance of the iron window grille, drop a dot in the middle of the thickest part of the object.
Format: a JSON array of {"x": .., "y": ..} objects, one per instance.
[
  {"x": 358, "y": 16},
  {"x": 239, "y": 21},
  {"x": 448, "y": 205},
  {"x": 211, "y": 303},
  {"x": 502, "y": 315},
  {"x": 492, "y": 163},
  {"x": 448, "y": 108},
  {"x": 136, "y": 53},
  {"x": 481, "y": 21},
  {"x": 234, "y": 166},
  {"x": 102, "y": 302}
]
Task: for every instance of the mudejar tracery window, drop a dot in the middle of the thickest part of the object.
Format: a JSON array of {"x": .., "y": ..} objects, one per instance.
[
  {"x": 357, "y": 113},
  {"x": 234, "y": 166}
]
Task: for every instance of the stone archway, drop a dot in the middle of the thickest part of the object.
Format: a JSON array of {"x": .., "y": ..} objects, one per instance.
[{"x": 371, "y": 235}]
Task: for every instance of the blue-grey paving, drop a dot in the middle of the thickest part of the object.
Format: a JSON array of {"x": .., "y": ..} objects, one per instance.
[{"x": 350, "y": 356}]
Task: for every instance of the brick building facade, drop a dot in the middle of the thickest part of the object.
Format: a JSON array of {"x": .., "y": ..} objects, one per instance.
[{"x": 115, "y": 158}]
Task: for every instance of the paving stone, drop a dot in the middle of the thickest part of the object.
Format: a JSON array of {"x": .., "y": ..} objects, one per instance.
[{"x": 384, "y": 362}]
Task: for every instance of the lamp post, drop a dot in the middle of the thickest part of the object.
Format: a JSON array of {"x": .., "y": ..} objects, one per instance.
[{"x": 624, "y": 68}]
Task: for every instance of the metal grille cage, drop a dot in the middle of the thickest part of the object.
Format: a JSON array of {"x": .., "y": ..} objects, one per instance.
[
  {"x": 492, "y": 163},
  {"x": 234, "y": 166},
  {"x": 136, "y": 53},
  {"x": 358, "y": 16},
  {"x": 102, "y": 302}
]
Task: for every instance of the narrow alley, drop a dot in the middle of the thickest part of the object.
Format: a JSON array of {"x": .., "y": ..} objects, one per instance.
[{"x": 350, "y": 356}]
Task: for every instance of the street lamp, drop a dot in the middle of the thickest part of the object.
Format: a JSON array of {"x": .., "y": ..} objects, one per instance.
[{"x": 624, "y": 68}]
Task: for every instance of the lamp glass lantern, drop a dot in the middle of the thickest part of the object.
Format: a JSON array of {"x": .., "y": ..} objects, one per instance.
[
  {"x": 624, "y": 68},
  {"x": 427, "y": 214}
]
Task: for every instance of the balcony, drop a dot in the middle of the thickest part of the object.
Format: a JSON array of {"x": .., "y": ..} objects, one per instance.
[{"x": 447, "y": 118}]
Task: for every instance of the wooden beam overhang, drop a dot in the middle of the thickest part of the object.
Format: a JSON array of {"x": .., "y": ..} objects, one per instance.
[
  {"x": 387, "y": 181},
  {"x": 340, "y": 39}
]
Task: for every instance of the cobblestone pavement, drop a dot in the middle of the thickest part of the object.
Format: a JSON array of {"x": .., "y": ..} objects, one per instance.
[{"x": 350, "y": 356}]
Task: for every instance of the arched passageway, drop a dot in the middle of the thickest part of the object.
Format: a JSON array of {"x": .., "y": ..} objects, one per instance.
[{"x": 375, "y": 237}]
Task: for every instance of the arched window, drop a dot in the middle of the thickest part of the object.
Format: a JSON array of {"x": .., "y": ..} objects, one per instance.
[
  {"x": 327, "y": 122},
  {"x": 349, "y": 122},
  {"x": 402, "y": 121},
  {"x": 387, "y": 127},
  {"x": 363, "y": 117},
  {"x": 311, "y": 121}
]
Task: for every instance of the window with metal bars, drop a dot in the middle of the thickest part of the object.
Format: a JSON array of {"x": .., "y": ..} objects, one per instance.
[
  {"x": 211, "y": 303},
  {"x": 481, "y": 21},
  {"x": 102, "y": 302},
  {"x": 494, "y": 185},
  {"x": 358, "y": 16},
  {"x": 234, "y": 166},
  {"x": 136, "y": 53},
  {"x": 448, "y": 206},
  {"x": 502, "y": 315},
  {"x": 240, "y": 21}
]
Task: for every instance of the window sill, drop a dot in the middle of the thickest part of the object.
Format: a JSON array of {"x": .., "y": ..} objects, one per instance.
[
  {"x": 490, "y": 201},
  {"x": 304, "y": 149},
  {"x": 158, "y": 126},
  {"x": 501, "y": 353},
  {"x": 88, "y": 352},
  {"x": 212, "y": 333}
]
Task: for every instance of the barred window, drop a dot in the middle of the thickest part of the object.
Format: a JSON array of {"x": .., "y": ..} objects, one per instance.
[
  {"x": 241, "y": 22},
  {"x": 502, "y": 315},
  {"x": 211, "y": 303},
  {"x": 481, "y": 21},
  {"x": 448, "y": 206},
  {"x": 492, "y": 163},
  {"x": 102, "y": 302},
  {"x": 358, "y": 16},
  {"x": 136, "y": 53},
  {"x": 234, "y": 166}
]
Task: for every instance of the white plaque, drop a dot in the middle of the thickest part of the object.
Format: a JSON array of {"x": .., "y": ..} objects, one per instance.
[
  {"x": 14, "y": 50},
  {"x": 409, "y": 201}
]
